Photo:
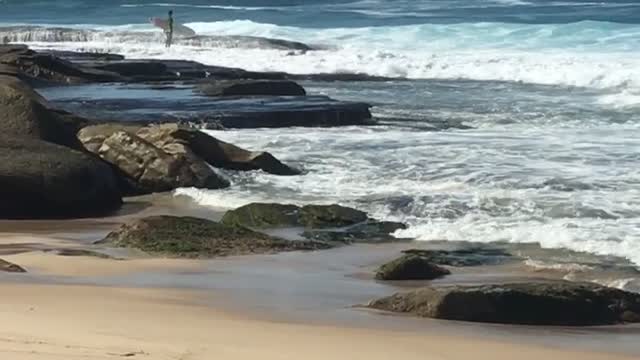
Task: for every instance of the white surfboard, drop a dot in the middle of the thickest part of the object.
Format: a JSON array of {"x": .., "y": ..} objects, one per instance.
[{"x": 178, "y": 29}]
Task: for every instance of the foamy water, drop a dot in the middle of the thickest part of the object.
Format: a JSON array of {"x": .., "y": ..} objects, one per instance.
[{"x": 551, "y": 88}]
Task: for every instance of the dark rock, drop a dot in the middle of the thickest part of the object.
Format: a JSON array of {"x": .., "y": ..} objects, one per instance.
[
  {"x": 25, "y": 114},
  {"x": 328, "y": 115},
  {"x": 225, "y": 112},
  {"x": 261, "y": 215},
  {"x": 370, "y": 231},
  {"x": 43, "y": 180},
  {"x": 323, "y": 216},
  {"x": 326, "y": 223},
  {"x": 130, "y": 68},
  {"x": 10, "y": 267},
  {"x": 215, "y": 152},
  {"x": 152, "y": 169},
  {"x": 79, "y": 56},
  {"x": 540, "y": 303},
  {"x": 47, "y": 67},
  {"x": 474, "y": 256},
  {"x": 83, "y": 252},
  {"x": 192, "y": 237},
  {"x": 251, "y": 87},
  {"x": 410, "y": 267}
]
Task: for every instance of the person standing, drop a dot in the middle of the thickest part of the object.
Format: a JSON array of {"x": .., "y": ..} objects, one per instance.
[{"x": 168, "y": 32}]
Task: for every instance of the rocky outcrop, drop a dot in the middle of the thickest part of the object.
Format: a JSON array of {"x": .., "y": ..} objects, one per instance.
[
  {"x": 215, "y": 152},
  {"x": 472, "y": 256},
  {"x": 327, "y": 223},
  {"x": 49, "y": 68},
  {"x": 199, "y": 238},
  {"x": 410, "y": 267},
  {"x": 165, "y": 157},
  {"x": 149, "y": 168},
  {"x": 10, "y": 267},
  {"x": 539, "y": 303},
  {"x": 43, "y": 180},
  {"x": 25, "y": 114},
  {"x": 251, "y": 87}
]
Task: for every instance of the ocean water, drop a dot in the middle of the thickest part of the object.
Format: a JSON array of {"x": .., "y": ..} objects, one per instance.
[{"x": 551, "y": 89}]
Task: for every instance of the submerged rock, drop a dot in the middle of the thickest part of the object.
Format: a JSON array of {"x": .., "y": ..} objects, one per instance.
[
  {"x": 327, "y": 223},
  {"x": 538, "y": 303},
  {"x": 474, "y": 256},
  {"x": 10, "y": 267},
  {"x": 410, "y": 267},
  {"x": 193, "y": 237},
  {"x": 251, "y": 87},
  {"x": 370, "y": 231},
  {"x": 41, "y": 180}
]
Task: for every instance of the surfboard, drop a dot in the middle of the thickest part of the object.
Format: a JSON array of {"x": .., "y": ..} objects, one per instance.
[{"x": 178, "y": 29}]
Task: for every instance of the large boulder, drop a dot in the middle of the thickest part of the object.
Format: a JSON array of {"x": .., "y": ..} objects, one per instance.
[
  {"x": 150, "y": 168},
  {"x": 193, "y": 237},
  {"x": 251, "y": 88},
  {"x": 539, "y": 303},
  {"x": 25, "y": 114},
  {"x": 410, "y": 267},
  {"x": 215, "y": 152},
  {"x": 41, "y": 180}
]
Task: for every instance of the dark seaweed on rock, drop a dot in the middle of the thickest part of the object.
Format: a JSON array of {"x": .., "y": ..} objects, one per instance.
[{"x": 199, "y": 238}]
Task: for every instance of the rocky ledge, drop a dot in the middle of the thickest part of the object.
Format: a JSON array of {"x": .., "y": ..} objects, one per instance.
[
  {"x": 199, "y": 238},
  {"x": 538, "y": 303},
  {"x": 54, "y": 164}
]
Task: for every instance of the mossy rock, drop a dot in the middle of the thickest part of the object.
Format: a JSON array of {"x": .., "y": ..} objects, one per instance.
[
  {"x": 263, "y": 215},
  {"x": 410, "y": 267},
  {"x": 323, "y": 216},
  {"x": 193, "y": 237}
]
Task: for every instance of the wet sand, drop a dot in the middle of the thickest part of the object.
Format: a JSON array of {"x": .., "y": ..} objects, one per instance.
[
  {"x": 271, "y": 306},
  {"x": 45, "y": 322}
]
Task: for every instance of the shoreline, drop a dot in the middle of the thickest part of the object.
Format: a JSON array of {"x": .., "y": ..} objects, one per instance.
[
  {"x": 314, "y": 291},
  {"x": 160, "y": 324}
]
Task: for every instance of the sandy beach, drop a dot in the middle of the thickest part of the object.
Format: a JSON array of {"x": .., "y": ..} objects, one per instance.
[
  {"x": 84, "y": 307},
  {"x": 43, "y": 322}
]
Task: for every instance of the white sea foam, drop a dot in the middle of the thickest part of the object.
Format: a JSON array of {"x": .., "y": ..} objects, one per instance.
[
  {"x": 588, "y": 54},
  {"x": 439, "y": 184}
]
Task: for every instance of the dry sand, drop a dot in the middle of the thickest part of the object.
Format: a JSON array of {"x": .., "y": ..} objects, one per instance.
[{"x": 49, "y": 322}]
